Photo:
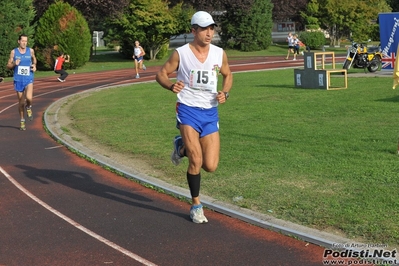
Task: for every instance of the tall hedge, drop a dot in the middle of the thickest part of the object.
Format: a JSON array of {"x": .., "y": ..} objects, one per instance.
[
  {"x": 314, "y": 39},
  {"x": 62, "y": 28},
  {"x": 16, "y": 17},
  {"x": 247, "y": 29}
]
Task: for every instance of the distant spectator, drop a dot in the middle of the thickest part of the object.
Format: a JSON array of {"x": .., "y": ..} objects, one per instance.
[{"x": 58, "y": 67}]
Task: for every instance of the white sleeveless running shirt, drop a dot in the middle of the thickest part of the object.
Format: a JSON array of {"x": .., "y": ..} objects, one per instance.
[
  {"x": 137, "y": 51},
  {"x": 200, "y": 79}
]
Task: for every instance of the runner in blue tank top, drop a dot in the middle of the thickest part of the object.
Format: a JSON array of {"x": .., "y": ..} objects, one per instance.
[{"x": 23, "y": 61}]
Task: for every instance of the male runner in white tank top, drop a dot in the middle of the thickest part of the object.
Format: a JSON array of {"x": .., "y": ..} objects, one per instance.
[{"x": 198, "y": 65}]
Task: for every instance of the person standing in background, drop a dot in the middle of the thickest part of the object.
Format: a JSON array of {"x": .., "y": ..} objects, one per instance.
[
  {"x": 23, "y": 61},
  {"x": 58, "y": 66},
  {"x": 198, "y": 65},
  {"x": 138, "y": 58}
]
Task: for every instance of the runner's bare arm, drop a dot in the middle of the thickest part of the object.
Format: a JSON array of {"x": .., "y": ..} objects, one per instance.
[
  {"x": 168, "y": 68},
  {"x": 34, "y": 60},
  {"x": 10, "y": 63},
  {"x": 227, "y": 80},
  {"x": 226, "y": 73}
]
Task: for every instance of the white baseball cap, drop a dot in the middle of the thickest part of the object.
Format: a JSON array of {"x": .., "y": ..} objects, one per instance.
[{"x": 202, "y": 19}]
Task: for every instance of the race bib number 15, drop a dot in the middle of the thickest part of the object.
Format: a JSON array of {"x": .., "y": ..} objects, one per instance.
[
  {"x": 203, "y": 80},
  {"x": 23, "y": 70}
]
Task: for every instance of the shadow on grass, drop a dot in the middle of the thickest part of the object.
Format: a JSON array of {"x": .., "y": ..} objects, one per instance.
[
  {"x": 391, "y": 100},
  {"x": 282, "y": 87}
]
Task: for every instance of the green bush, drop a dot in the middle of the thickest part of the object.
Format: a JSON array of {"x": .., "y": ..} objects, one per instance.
[
  {"x": 312, "y": 27},
  {"x": 62, "y": 28},
  {"x": 313, "y": 39},
  {"x": 375, "y": 32},
  {"x": 247, "y": 30},
  {"x": 127, "y": 49},
  {"x": 163, "y": 51}
]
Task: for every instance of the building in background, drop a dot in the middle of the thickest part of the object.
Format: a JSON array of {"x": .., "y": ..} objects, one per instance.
[
  {"x": 98, "y": 38},
  {"x": 280, "y": 30}
]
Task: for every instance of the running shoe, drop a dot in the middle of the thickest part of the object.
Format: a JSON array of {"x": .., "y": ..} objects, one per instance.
[
  {"x": 137, "y": 76},
  {"x": 144, "y": 67},
  {"x": 22, "y": 125},
  {"x": 175, "y": 156},
  {"x": 197, "y": 214},
  {"x": 29, "y": 113},
  {"x": 60, "y": 80}
]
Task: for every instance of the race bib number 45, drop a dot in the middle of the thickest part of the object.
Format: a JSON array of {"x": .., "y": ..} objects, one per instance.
[
  {"x": 205, "y": 80},
  {"x": 23, "y": 70}
]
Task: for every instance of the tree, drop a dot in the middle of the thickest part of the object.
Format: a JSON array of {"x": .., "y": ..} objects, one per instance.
[
  {"x": 93, "y": 10},
  {"x": 347, "y": 18},
  {"x": 218, "y": 5},
  {"x": 310, "y": 14},
  {"x": 288, "y": 10},
  {"x": 394, "y": 4},
  {"x": 62, "y": 28},
  {"x": 153, "y": 23},
  {"x": 247, "y": 29},
  {"x": 244, "y": 24},
  {"x": 15, "y": 19}
]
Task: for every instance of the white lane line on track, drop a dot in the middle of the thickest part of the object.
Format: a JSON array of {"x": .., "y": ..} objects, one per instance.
[
  {"x": 9, "y": 95},
  {"x": 54, "y": 147},
  {"x": 41, "y": 94},
  {"x": 67, "y": 219},
  {"x": 35, "y": 96},
  {"x": 75, "y": 224}
]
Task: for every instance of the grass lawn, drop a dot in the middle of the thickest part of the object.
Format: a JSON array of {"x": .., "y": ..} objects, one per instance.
[{"x": 323, "y": 159}]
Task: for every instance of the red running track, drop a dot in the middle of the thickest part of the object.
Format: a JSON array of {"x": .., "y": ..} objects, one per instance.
[{"x": 59, "y": 209}]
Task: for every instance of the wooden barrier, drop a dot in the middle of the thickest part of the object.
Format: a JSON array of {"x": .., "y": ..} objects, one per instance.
[
  {"x": 323, "y": 59},
  {"x": 343, "y": 72}
]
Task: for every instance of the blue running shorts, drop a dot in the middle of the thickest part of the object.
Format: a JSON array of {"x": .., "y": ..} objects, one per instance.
[
  {"x": 204, "y": 121},
  {"x": 21, "y": 85},
  {"x": 138, "y": 58}
]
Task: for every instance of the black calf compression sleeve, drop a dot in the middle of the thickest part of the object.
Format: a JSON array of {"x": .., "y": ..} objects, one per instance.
[{"x": 194, "y": 182}]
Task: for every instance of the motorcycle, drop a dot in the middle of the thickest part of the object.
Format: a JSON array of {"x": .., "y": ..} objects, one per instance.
[{"x": 361, "y": 56}]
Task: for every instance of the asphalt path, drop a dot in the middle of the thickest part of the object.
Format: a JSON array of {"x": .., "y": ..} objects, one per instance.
[{"x": 59, "y": 209}]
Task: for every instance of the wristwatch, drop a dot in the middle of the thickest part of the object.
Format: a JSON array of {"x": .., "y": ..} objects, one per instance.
[{"x": 226, "y": 95}]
